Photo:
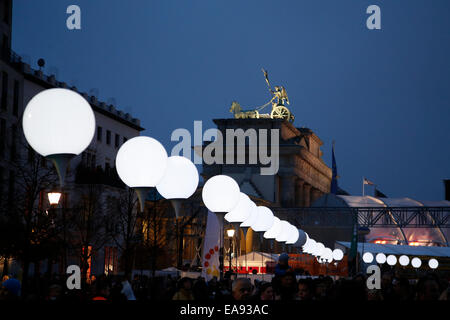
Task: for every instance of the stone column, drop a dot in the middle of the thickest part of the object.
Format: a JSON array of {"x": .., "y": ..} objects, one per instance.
[
  {"x": 299, "y": 185},
  {"x": 307, "y": 195},
  {"x": 287, "y": 190}
]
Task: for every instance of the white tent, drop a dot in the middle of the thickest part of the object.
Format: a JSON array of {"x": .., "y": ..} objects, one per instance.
[{"x": 256, "y": 259}]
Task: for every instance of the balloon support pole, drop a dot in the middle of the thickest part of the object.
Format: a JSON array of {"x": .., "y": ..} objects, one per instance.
[
  {"x": 176, "y": 204},
  {"x": 61, "y": 162},
  {"x": 142, "y": 193}
]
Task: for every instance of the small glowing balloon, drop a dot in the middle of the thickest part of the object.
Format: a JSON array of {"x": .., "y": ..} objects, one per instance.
[
  {"x": 320, "y": 247},
  {"x": 264, "y": 221},
  {"x": 283, "y": 236},
  {"x": 416, "y": 262},
  {"x": 273, "y": 232},
  {"x": 180, "y": 180},
  {"x": 433, "y": 263},
  {"x": 391, "y": 260},
  {"x": 368, "y": 257},
  {"x": 221, "y": 194},
  {"x": 338, "y": 254},
  {"x": 251, "y": 218},
  {"x": 312, "y": 244},
  {"x": 141, "y": 162},
  {"x": 293, "y": 236},
  {"x": 242, "y": 210},
  {"x": 403, "y": 260},
  {"x": 381, "y": 258},
  {"x": 327, "y": 255}
]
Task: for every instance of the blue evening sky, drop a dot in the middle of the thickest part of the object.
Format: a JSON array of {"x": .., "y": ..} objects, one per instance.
[{"x": 382, "y": 95}]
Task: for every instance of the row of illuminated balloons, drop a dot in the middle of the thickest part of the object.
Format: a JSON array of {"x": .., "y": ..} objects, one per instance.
[
  {"x": 403, "y": 260},
  {"x": 60, "y": 122}
]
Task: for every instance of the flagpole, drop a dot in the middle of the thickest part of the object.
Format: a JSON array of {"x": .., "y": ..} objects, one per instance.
[{"x": 363, "y": 187}]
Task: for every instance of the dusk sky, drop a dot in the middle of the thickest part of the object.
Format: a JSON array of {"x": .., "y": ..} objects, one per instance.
[{"x": 382, "y": 95}]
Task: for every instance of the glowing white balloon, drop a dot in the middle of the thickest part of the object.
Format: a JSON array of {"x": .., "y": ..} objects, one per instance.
[
  {"x": 433, "y": 263},
  {"x": 416, "y": 262},
  {"x": 273, "y": 232},
  {"x": 141, "y": 162},
  {"x": 180, "y": 180},
  {"x": 381, "y": 258},
  {"x": 242, "y": 210},
  {"x": 320, "y": 247},
  {"x": 58, "y": 121},
  {"x": 327, "y": 255},
  {"x": 403, "y": 260},
  {"x": 251, "y": 219},
  {"x": 338, "y": 254},
  {"x": 293, "y": 236},
  {"x": 368, "y": 257},
  {"x": 221, "y": 194},
  {"x": 283, "y": 236},
  {"x": 312, "y": 244},
  {"x": 391, "y": 260},
  {"x": 264, "y": 221}
]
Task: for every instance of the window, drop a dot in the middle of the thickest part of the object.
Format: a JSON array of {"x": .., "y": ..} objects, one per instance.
[
  {"x": 4, "y": 102},
  {"x": 108, "y": 137},
  {"x": 16, "y": 98},
  {"x": 111, "y": 260},
  {"x": 117, "y": 141},
  {"x": 99, "y": 133}
]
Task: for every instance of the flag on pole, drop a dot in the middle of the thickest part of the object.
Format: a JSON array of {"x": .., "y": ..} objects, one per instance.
[
  {"x": 211, "y": 245},
  {"x": 334, "y": 183},
  {"x": 367, "y": 181},
  {"x": 379, "y": 194}
]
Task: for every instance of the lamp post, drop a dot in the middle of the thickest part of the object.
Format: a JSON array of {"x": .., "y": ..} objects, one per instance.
[
  {"x": 54, "y": 198},
  {"x": 220, "y": 195},
  {"x": 230, "y": 234}
]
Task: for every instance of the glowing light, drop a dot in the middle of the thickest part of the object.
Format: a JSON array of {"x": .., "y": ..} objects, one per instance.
[
  {"x": 416, "y": 262},
  {"x": 58, "y": 121},
  {"x": 381, "y": 258},
  {"x": 221, "y": 193},
  {"x": 338, "y": 254},
  {"x": 180, "y": 180},
  {"x": 433, "y": 263},
  {"x": 403, "y": 260},
  {"x": 368, "y": 257},
  {"x": 53, "y": 198},
  {"x": 391, "y": 260}
]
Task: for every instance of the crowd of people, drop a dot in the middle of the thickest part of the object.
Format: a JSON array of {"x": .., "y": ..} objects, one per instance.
[{"x": 284, "y": 286}]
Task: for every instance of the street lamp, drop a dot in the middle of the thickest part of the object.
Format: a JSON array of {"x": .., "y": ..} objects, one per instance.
[
  {"x": 141, "y": 163},
  {"x": 230, "y": 234},
  {"x": 53, "y": 198},
  {"x": 58, "y": 124},
  {"x": 220, "y": 195}
]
